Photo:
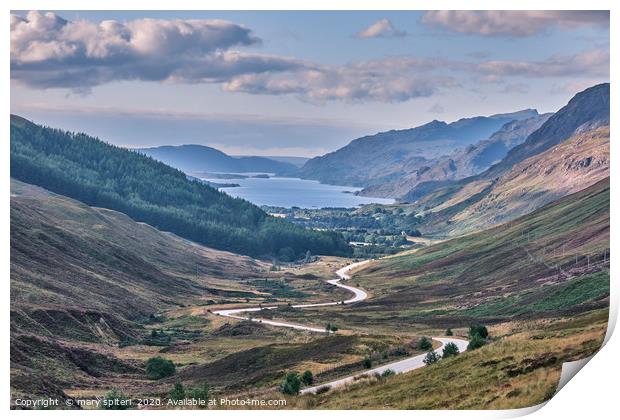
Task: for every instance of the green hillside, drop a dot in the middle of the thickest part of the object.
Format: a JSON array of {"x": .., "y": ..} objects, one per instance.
[{"x": 102, "y": 175}]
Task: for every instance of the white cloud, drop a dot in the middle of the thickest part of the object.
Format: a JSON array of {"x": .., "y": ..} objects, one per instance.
[
  {"x": 514, "y": 22},
  {"x": 48, "y": 51},
  {"x": 381, "y": 29}
]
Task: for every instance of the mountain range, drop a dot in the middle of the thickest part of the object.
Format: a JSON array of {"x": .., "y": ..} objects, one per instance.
[
  {"x": 390, "y": 156},
  {"x": 194, "y": 158}
]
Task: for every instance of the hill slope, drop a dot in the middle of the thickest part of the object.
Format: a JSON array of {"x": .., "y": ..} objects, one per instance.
[
  {"x": 84, "y": 280},
  {"x": 191, "y": 158},
  {"x": 103, "y": 175},
  {"x": 390, "y": 155},
  {"x": 508, "y": 190},
  {"x": 464, "y": 162}
]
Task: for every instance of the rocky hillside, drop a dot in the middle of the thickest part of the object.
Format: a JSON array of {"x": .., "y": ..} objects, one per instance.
[
  {"x": 391, "y": 155},
  {"x": 462, "y": 163},
  {"x": 546, "y": 166}
]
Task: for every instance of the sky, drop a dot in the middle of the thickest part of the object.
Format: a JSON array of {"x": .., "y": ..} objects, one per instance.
[{"x": 293, "y": 83}]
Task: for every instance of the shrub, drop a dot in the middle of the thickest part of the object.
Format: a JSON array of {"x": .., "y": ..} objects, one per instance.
[
  {"x": 398, "y": 351},
  {"x": 177, "y": 392},
  {"x": 367, "y": 363},
  {"x": 307, "y": 378},
  {"x": 478, "y": 330},
  {"x": 388, "y": 372},
  {"x": 201, "y": 392},
  {"x": 449, "y": 332},
  {"x": 291, "y": 384},
  {"x": 475, "y": 343},
  {"x": 450, "y": 350},
  {"x": 115, "y": 400},
  {"x": 431, "y": 357},
  {"x": 158, "y": 367},
  {"x": 424, "y": 344}
]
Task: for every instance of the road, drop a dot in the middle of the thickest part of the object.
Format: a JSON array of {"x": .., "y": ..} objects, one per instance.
[{"x": 400, "y": 366}]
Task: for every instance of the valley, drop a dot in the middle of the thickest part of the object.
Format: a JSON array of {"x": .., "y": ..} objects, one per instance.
[{"x": 134, "y": 278}]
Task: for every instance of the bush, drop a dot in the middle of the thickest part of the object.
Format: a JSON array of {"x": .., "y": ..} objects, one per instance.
[
  {"x": 291, "y": 384},
  {"x": 450, "y": 350},
  {"x": 424, "y": 344},
  {"x": 388, "y": 372},
  {"x": 431, "y": 358},
  {"x": 178, "y": 392},
  {"x": 398, "y": 351},
  {"x": 115, "y": 400},
  {"x": 158, "y": 367},
  {"x": 307, "y": 378},
  {"x": 475, "y": 343},
  {"x": 367, "y": 363},
  {"x": 478, "y": 330},
  {"x": 201, "y": 392},
  {"x": 449, "y": 333}
]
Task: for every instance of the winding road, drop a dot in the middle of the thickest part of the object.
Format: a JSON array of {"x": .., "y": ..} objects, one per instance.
[{"x": 400, "y": 366}]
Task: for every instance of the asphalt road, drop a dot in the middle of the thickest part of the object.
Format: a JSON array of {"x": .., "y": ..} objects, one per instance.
[{"x": 400, "y": 366}]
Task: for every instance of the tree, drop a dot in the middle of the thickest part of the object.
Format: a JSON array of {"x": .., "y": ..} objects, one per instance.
[
  {"x": 328, "y": 327},
  {"x": 177, "y": 392},
  {"x": 388, "y": 372},
  {"x": 478, "y": 330},
  {"x": 424, "y": 344},
  {"x": 308, "y": 257},
  {"x": 450, "y": 350},
  {"x": 431, "y": 358},
  {"x": 475, "y": 343},
  {"x": 449, "y": 332},
  {"x": 307, "y": 378},
  {"x": 291, "y": 384},
  {"x": 334, "y": 328},
  {"x": 158, "y": 367}
]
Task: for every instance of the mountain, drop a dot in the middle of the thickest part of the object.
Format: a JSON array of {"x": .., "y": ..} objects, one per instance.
[
  {"x": 193, "y": 158},
  {"x": 567, "y": 153},
  {"x": 298, "y": 161},
  {"x": 102, "y": 175},
  {"x": 388, "y": 156},
  {"x": 587, "y": 110},
  {"x": 462, "y": 163}
]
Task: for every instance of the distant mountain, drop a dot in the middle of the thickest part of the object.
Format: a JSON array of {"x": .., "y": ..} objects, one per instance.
[
  {"x": 389, "y": 156},
  {"x": 569, "y": 152},
  {"x": 102, "y": 175},
  {"x": 192, "y": 158},
  {"x": 462, "y": 163},
  {"x": 298, "y": 161}
]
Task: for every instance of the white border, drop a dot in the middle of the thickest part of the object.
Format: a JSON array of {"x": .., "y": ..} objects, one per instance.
[{"x": 593, "y": 394}]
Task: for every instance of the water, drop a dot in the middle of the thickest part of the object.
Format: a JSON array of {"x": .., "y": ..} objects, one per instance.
[{"x": 295, "y": 192}]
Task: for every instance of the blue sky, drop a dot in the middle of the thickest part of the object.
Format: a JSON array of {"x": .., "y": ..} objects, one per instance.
[{"x": 293, "y": 83}]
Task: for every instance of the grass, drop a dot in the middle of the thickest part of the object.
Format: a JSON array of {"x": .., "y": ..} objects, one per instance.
[{"x": 517, "y": 370}]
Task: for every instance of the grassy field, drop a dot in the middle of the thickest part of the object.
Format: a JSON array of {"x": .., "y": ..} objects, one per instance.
[{"x": 520, "y": 368}]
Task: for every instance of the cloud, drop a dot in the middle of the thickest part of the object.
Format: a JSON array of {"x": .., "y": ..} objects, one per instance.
[
  {"x": 592, "y": 62},
  {"x": 520, "y": 88},
  {"x": 436, "y": 109},
  {"x": 49, "y": 51},
  {"x": 381, "y": 29},
  {"x": 514, "y": 22},
  {"x": 387, "y": 80}
]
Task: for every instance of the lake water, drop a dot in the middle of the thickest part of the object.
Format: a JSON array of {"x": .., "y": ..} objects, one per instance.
[{"x": 295, "y": 192}]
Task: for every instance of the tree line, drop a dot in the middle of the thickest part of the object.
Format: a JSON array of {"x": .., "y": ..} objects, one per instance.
[{"x": 102, "y": 175}]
